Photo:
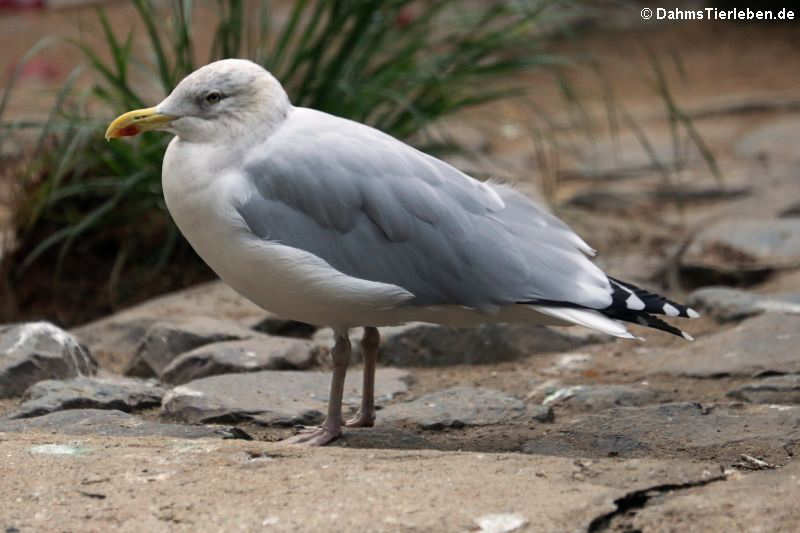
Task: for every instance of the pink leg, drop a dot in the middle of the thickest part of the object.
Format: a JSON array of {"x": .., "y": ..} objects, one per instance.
[
  {"x": 365, "y": 417},
  {"x": 331, "y": 428}
]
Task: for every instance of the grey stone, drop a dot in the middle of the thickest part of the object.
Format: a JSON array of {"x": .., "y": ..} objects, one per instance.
[
  {"x": 277, "y": 397},
  {"x": 774, "y": 140},
  {"x": 729, "y": 304},
  {"x": 790, "y": 211},
  {"x": 632, "y": 201},
  {"x": 260, "y": 353},
  {"x": 766, "y": 344},
  {"x": 460, "y": 407},
  {"x": 627, "y": 157},
  {"x": 165, "y": 340},
  {"x": 418, "y": 344},
  {"x": 114, "y": 339},
  {"x": 673, "y": 429},
  {"x": 746, "y": 244},
  {"x": 114, "y": 342},
  {"x": 36, "y": 351},
  {"x": 759, "y": 501},
  {"x": 770, "y": 390},
  {"x": 598, "y": 397},
  {"x": 123, "y": 394},
  {"x": 111, "y": 423},
  {"x": 465, "y": 136}
]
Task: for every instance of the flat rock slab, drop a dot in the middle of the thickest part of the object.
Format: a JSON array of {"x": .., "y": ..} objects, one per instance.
[
  {"x": 114, "y": 342},
  {"x": 773, "y": 140},
  {"x": 262, "y": 352},
  {"x": 273, "y": 398},
  {"x": 119, "y": 393},
  {"x": 419, "y": 344},
  {"x": 770, "y": 390},
  {"x": 36, "y": 351},
  {"x": 164, "y": 340},
  {"x": 157, "y": 484},
  {"x": 626, "y": 157},
  {"x": 110, "y": 423},
  {"x": 114, "y": 339},
  {"x": 461, "y": 406},
  {"x": 598, "y": 397},
  {"x": 766, "y": 344},
  {"x": 728, "y": 304},
  {"x": 757, "y": 501},
  {"x": 746, "y": 244},
  {"x": 673, "y": 429}
]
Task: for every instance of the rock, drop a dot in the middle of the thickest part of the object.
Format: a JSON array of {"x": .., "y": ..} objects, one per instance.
[
  {"x": 89, "y": 393},
  {"x": 465, "y": 136},
  {"x": 232, "y": 357},
  {"x": 626, "y": 157},
  {"x": 728, "y": 304},
  {"x": 278, "y": 397},
  {"x": 110, "y": 423},
  {"x": 673, "y": 429},
  {"x": 598, "y": 397},
  {"x": 285, "y": 328},
  {"x": 114, "y": 342},
  {"x": 760, "y": 501},
  {"x": 619, "y": 200},
  {"x": 746, "y": 245},
  {"x": 770, "y": 390},
  {"x": 165, "y": 340},
  {"x": 773, "y": 141},
  {"x": 459, "y": 407},
  {"x": 766, "y": 344},
  {"x": 114, "y": 339},
  {"x": 418, "y": 344},
  {"x": 36, "y": 351},
  {"x": 790, "y": 211}
]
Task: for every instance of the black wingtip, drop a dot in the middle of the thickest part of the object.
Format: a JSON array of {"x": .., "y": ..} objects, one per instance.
[
  {"x": 647, "y": 320},
  {"x": 627, "y": 296}
]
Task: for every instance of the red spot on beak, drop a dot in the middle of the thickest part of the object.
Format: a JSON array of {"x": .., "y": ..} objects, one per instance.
[{"x": 127, "y": 131}]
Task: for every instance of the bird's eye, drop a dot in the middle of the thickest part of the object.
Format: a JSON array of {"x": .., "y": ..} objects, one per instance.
[{"x": 213, "y": 97}]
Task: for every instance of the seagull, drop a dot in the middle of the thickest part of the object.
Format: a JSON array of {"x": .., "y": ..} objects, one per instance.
[{"x": 328, "y": 221}]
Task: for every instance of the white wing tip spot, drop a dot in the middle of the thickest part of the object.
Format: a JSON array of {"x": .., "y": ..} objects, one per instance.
[
  {"x": 687, "y": 336},
  {"x": 691, "y": 313},
  {"x": 671, "y": 310},
  {"x": 634, "y": 303}
]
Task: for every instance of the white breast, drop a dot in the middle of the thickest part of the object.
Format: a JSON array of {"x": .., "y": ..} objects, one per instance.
[{"x": 284, "y": 280}]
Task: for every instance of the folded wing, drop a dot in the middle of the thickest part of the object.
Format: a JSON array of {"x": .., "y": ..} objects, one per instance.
[{"x": 374, "y": 208}]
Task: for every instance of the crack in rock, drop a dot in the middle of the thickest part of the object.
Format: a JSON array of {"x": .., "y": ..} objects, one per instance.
[{"x": 633, "y": 501}]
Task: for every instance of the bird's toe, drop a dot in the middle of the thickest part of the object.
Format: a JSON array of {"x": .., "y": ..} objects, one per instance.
[
  {"x": 361, "y": 420},
  {"x": 315, "y": 436}
]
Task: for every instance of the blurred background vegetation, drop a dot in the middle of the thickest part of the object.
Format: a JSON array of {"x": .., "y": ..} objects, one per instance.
[
  {"x": 398, "y": 65},
  {"x": 89, "y": 231}
]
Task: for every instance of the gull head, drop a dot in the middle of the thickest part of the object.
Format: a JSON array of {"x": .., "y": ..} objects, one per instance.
[{"x": 224, "y": 99}]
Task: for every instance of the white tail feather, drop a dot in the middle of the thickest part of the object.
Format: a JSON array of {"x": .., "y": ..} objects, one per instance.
[{"x": 588, "y": 318}]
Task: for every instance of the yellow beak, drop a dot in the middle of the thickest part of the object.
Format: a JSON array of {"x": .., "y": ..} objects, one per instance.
[{"x": 136, "y": 121}]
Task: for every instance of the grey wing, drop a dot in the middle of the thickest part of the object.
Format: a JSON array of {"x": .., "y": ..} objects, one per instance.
[{"x": 374, "y": 208}]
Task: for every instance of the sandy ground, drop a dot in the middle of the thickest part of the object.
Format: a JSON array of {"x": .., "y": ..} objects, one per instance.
[{"x": 387, "y": 479}]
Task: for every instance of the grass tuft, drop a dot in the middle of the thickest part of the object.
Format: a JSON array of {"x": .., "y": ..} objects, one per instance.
[{"x": 398, "y": 65}]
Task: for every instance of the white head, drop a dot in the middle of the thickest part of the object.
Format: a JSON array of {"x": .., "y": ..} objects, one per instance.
[{"x": 224, "y": 99}]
